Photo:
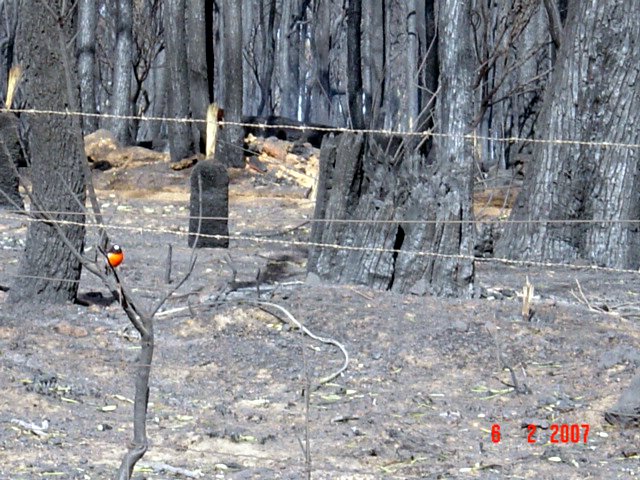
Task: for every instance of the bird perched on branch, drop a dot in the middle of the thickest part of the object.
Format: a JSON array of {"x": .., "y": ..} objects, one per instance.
[{"x": 115, "y": 255}]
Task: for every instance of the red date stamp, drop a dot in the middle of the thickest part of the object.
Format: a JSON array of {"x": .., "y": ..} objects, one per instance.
[{"x": 560, "y": 433}]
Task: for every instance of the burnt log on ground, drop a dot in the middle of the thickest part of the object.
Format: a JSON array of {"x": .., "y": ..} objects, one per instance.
[
  {"x": 388, "y": 219},
  {"x": 209, "y": 206},
  {"x": 10, "y": 157},
  {"x": 276, "y": 127}
]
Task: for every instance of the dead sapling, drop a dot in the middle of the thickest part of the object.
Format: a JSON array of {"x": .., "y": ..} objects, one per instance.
[{"x": 140, "y": 316}]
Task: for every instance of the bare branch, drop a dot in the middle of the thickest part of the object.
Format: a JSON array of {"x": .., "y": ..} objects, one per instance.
[
  {"x": 555, "y": 24},
  {"x": 192, "y": 264}
]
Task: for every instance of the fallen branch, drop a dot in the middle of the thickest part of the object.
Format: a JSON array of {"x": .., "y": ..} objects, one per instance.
[
  {"x": 583, "y": 298},
  {"x": 291, "y": 320}
]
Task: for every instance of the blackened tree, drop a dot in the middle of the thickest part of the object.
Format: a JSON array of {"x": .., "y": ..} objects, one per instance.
[
  {"x": 122, "y": 72},
  {"x": 181, "y": 142},
  {"x": 197, "y": 40},
  {"x": 56, "y": 155},
  {"x": 413, "y": 230},
  {"x": 86, "y": 44},
  {"x": 232, "y": 136},
  {"x": 354, "y": 62},
  {"x": 580, "y": 199}
]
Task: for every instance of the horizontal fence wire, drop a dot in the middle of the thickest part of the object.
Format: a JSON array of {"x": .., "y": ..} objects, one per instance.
[
  {"x": 328, "y": 129},
  {"x": 302, "y": 243},
  {"x": 22, "y": 214},
  {"x": 386, "y": 132}
]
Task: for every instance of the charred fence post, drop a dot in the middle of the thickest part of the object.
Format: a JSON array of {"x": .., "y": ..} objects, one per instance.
[{"x": 209, "y": 206}]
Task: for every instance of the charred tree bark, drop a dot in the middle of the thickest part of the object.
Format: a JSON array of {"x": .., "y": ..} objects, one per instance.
[
  {"x": 373, "y": 46},
  {"x": 121, "y": 94},
  {"x": 391, "y": 220},
  {"x": 319, "y": 106},
  {"x": 428, "y": 72},
  {"x": 232, "y": 136},
  {"x": 56, "y": 156},
  {"x": 158, "y": 83},
  {"x": 395, "y": 62},
  {"x": 209, "y": 206},
  {"x": 593, "y": 97},
  {"x": 10, "y": 156},
  {"x": 210, "y": 34},
  {"x": 555, "y": 23},
  {"x": 412, "y": 65},
  {"x": 354, "y": 64},
  {"x": 289, "y": 52},
  {"x": 180, "y": 137},
  {"x": 267, "y": 62},
  {"x": 252, "y": 55},
  {"x": 198, "y": 72},
  {"x": 86, "y": 42}
]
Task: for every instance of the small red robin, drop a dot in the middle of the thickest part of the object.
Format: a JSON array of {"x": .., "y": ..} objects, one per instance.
[{"x": 115, "y": 256}]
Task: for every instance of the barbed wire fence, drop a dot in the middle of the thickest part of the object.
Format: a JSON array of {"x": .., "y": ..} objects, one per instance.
[
  {"x": 257, "y": 239},
  {"x": 309, "y": 128}
]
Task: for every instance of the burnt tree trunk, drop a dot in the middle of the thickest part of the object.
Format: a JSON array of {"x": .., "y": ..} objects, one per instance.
[
  {"x": 318, "y": 109},
  {"x": 209, "y": 206},
  {"x": 354, "y": 63},
  {"x": 289, "y": 67},
  {"x": 232, "y": 136},
  {"x": 197, "y": 60},
  {"x": 411, "y": 93},
  {"x": 373, "y": 48},
  {"x": 121, "y": 95},
  {"x": 267, "y": 62},
  {"x": 86, "y": 44},
  {"x": 593, "y": 97},
  {"x": 396, "y": 61},
  {"x": 413, "y": 228},
  {"x": 56, "y": 169},
  {"x": 10, "y": 17},
  {"x": 428, "y": 73},
  {"x": 181, "y": 143}
]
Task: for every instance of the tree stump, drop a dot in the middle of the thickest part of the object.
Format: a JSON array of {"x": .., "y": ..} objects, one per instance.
[
  {"x": 387, "y": 219},
  {"x": 209, "y": 206},
  {"x": 407, "y": 203},
  {"x": 10, "y": 154}
]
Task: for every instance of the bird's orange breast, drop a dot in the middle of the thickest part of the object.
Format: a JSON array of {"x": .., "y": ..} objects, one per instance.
[{"x": 115, "y": 258}]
